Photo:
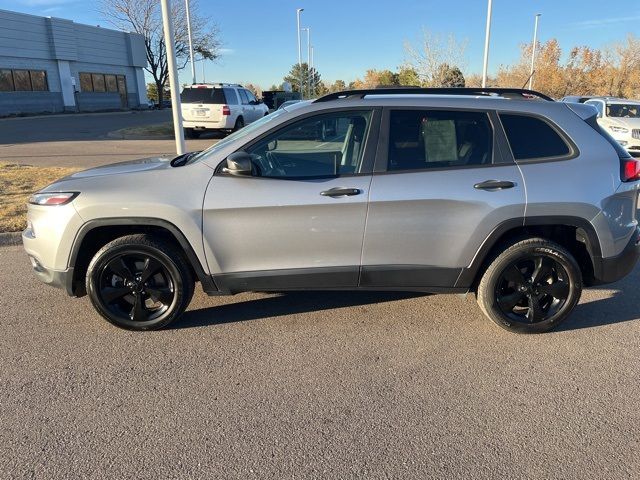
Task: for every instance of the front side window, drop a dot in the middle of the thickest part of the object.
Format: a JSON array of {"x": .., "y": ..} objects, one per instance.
[
  {"x": 533, "y": 138},
  {"x": 424, "y": 139},
  {"x": 320, "y": 146}
]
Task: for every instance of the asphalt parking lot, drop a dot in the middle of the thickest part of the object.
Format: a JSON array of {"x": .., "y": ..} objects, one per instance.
[
  {"x": 83, "y": 141},
  {"x": 316, "y": 385}
]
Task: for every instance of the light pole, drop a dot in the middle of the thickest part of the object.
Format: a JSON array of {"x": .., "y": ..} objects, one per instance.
[
  {"x": 533, "y": 50},
  {"x": 308, "y": 30},
  {"x": 313, "y": 74},
  {"x": 487, "y": 37},
  {"x": 298, "y": 12},
  {"x": 193, "y": 65},
  {"x": 167, "y": 25}
]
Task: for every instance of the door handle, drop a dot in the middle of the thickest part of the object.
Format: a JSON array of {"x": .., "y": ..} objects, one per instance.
[
  {"x": 494, "y": 185},
  {"x": 341, "y": 192}
]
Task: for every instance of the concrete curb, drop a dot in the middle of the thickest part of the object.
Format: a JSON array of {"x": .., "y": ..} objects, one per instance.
[
  {"x": 10, "y": 238},
  {"x": 127, "y": 136}
]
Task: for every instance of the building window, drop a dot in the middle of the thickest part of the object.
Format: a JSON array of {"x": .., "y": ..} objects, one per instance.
[
  {"x": 111, "y": 83},
  {"x": 39, "y": 81},
  {"x": 6, "y": 81},
  {"x": 85, "y": 82},
  {"x": 23, "y": 81},
  {"x": 98, "y": 82}
]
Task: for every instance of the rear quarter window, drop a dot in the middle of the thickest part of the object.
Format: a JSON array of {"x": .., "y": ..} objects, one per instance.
[{"x": 533, "y": 138}]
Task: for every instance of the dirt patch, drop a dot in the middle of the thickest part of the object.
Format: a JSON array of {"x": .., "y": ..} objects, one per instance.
[
  {"x": 17, "y": 183},
  {"x": 160, "y": 130}
]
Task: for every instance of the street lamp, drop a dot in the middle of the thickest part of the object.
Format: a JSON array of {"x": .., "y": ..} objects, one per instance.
[
  {"x": 193, "y": 65},
  {"x": 533, "y": 51},
  {"x": 487, "y": 37},
  {"x": 298, "y": 12},
  {"x": 170, "y": 45},
  {"x": 313, "y": 73},
  {"x": 308, "y": 30}
]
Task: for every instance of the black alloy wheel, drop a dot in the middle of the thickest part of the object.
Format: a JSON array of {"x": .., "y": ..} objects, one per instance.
[
  {"x": 139, "y": 282},
  {"x": 530, "y": 286},
  {"x": 532, "y": 289}
]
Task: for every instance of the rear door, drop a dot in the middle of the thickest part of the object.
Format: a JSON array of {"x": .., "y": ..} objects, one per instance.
[
  {"x": 441, "y": 185},
  {"x": 202, "y": 104},
  {"x": 299, "y": 221}
]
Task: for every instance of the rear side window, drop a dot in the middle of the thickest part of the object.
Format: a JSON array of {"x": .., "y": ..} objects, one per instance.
[
  {"x": 203, "y": 95},
  {"x": 243, "y": 97},
  {"x": 424, "y": 139},
  {"x": 230, "y": 94},
  {"x": 533, "y": 138}
]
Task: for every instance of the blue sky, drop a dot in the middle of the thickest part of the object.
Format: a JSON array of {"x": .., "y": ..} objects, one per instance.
[{"x": 350, "y": 36}]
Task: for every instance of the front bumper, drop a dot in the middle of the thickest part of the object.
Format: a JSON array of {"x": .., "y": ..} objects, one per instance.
[
  {"x": 56, "y": 278},
  {"x": 612, "y": 269}
]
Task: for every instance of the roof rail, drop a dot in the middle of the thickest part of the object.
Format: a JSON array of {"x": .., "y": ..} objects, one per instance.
[{"x": 503, "y": 92}]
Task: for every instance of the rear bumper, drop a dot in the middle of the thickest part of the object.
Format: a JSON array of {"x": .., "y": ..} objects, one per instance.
[
  {"x": 612, "y": 269},
  {"x": 206, "y": 125}
]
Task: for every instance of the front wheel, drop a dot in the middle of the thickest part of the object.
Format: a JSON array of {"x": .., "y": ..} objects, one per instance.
[
  {"x": 531, "y": 287},
  {"x": 139, "y": 282},
  {"x": 191, "y": 133}
]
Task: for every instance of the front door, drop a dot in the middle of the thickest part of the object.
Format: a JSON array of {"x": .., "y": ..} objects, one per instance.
[
  {"x": 298, "y": 222},
  {"x": 442, "y": 185}
]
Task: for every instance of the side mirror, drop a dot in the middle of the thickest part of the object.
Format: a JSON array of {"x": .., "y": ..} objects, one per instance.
[{"x": 239, "y": 164}]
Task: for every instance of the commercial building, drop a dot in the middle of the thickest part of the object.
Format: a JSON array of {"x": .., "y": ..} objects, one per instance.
[{"x": 56, "y": 65}]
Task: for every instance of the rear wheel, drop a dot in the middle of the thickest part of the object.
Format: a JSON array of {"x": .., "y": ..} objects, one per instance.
[
  {"x": 239, "y": 124},
  {"x": 531, "y": 287},
  {"x": 191, "y": 133},
  {"x": 139, "y": 282}
]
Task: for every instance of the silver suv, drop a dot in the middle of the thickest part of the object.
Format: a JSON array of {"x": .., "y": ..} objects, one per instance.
[{"x": 502, "y": 192}]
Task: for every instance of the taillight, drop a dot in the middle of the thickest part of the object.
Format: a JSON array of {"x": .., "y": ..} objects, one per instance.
[
  {"x": 226, "y": 110},
  {"x": 630, "y": 170}
]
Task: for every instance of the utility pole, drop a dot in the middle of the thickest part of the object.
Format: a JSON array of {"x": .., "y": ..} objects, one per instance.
[
  {"x": 167, "y": 24},
  {"x": 298, "y": 12},
  {"x": 313, "y": 74},
  {"x": 308, "y": 30},
  {"x": 533, "y": 51},
  {"x": 193, "y": 65},
  {"x": 487, "y": 37}
]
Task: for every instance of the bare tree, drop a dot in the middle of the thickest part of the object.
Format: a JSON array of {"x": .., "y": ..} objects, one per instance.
[
  {"x": 433, "y": 51},
  {"x": 144, "y": 17}
]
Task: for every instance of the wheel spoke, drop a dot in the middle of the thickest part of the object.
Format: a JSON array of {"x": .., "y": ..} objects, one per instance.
[
  {"x": 120, "y": 268},
  {"x": 535, "y": 313},
  {"x": 508, "y": 302},
  {"x": 163, "y": 295},
  {"x": 559, "y": 289},
  {"x": 514, "y": 275},
  {"x": 138, "y": 313},
  {"x": 543, "y": 270},
  {"x": 110, "y": 294},
  {"x": 151, "y": 266}
]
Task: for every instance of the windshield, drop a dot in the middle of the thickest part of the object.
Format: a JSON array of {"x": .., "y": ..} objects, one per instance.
[
  {"x": 212, "y": 150},
  {"x": 623, "y": 110},
  {"x": 202, "y": 95}
]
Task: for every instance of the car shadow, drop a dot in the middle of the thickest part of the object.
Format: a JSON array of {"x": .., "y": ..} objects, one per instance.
[
  {"x": 622, "y": 306},
  {"x": 286, "y": 303}
]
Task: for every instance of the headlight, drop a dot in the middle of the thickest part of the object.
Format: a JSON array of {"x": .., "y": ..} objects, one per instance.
[
  {"x": 53, "y": 199},
  {"x": 615, "y": 129}
]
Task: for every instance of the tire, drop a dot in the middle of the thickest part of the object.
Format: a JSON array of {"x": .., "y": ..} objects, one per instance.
[
  {"x": 191, "y": 133},
  {"x": 530, "y": 287},
  {"x": 239, "y": 124},
  {"x": 119, "y": 291}
]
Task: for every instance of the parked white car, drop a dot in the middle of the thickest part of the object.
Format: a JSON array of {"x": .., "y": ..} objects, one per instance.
[
  {"x": 620, "y": 118},
  {"x": 218, "y": 106}
]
